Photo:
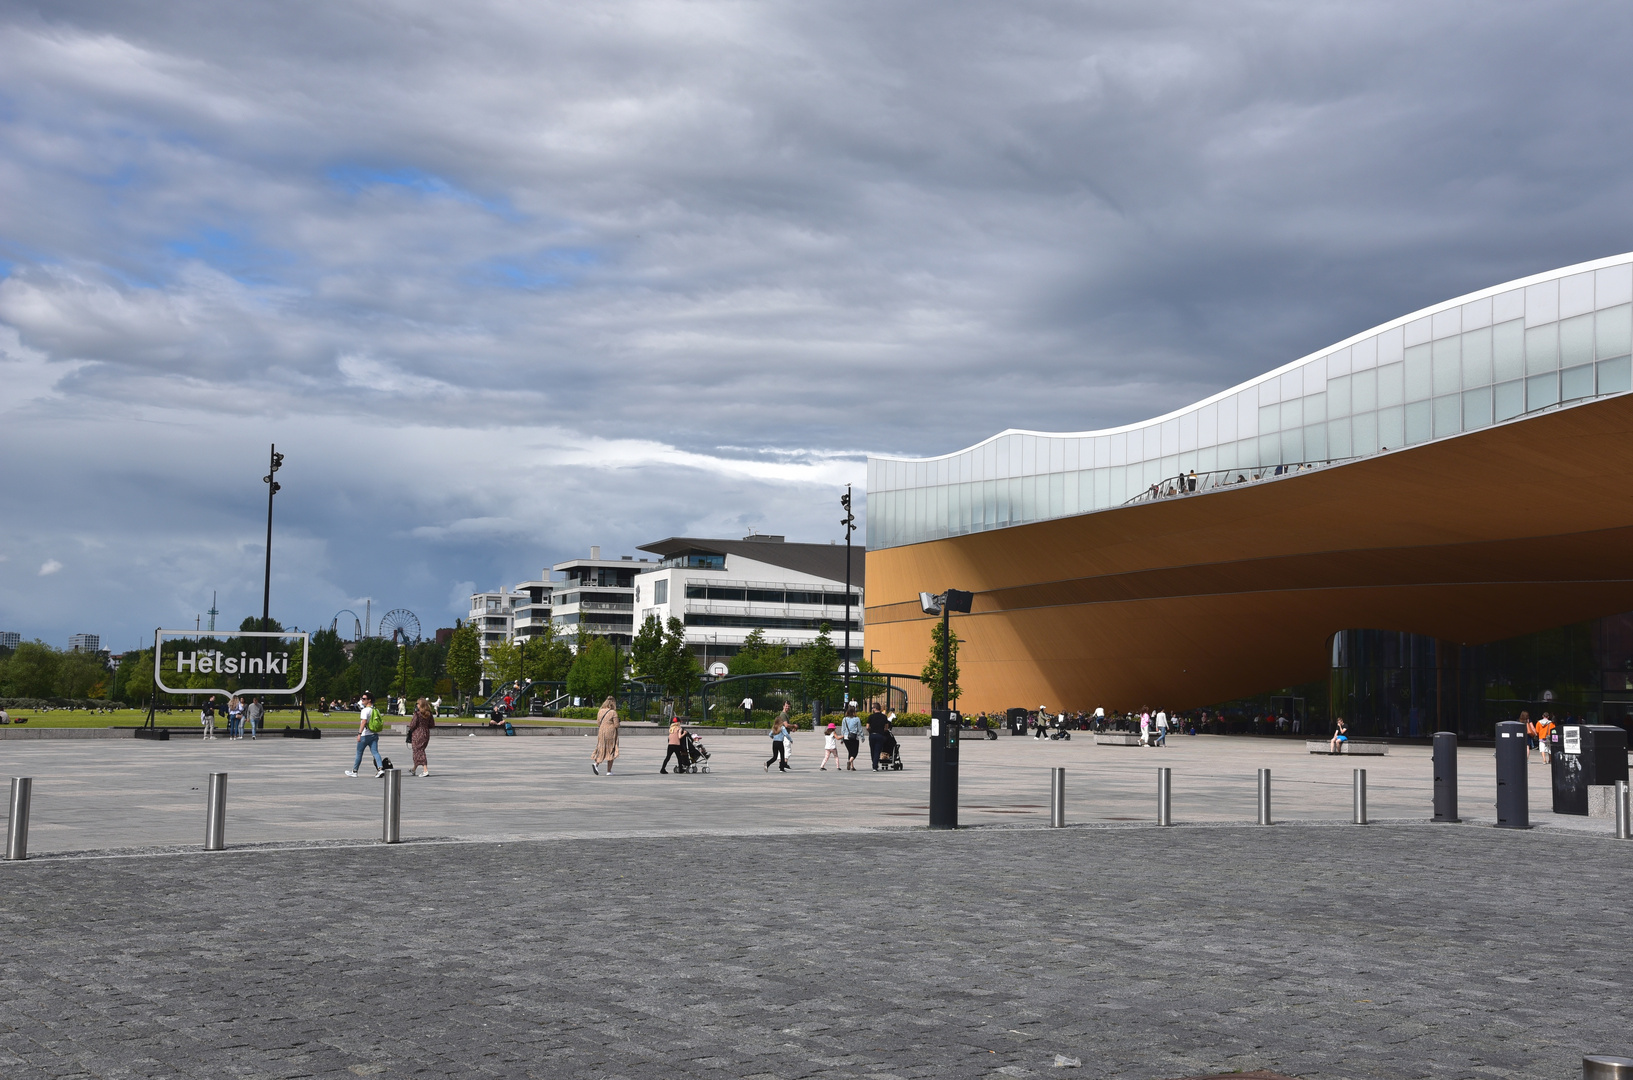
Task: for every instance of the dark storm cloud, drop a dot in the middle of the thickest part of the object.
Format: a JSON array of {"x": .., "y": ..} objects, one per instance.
[{"x": 528, "y": 277}]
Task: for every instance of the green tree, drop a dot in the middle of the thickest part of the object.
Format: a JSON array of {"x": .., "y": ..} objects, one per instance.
[
  {"x": 549, "y": 658},
  {"x": 646, "y": 651},
  {"x": 503, "y": 663},
  {"x": 757, "y": 655},
  {"x": 326, "y": 659},
  {"x": 681, "y": 671},
  {"x": 818, "y": 665},
  {"x": 404, "y": 675},
  {"x": 376, "y": 662},
  {"x": 931, "y": 675},
  {"x": 32, "y": 671},
  {"x": 594, "y": 675},
  {"x": 81, "y": 675},
  {"x": 135, "y": 680},
  {"x": 464, "y": 659}
]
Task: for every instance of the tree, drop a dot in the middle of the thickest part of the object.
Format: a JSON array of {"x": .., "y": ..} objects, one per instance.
[
  {"x": 80, "y": 674},
  {"x": 594, "y": 675},
  {"x": 646, "y": 651},
  {"x": 818, "y": 665},
  {"x": 326, "y": 659},
  {"x": 681, "y": 671},
  {"x": 136, "y": 677},
  {"x": 758, "y": 655},
  {"x": 32, "y": 671},
  {"x": 503, "y": 664},
  {"x": 375, "y": 660},
  {"x": 464, "y": 659},
  {"x": 405, "y": 672},
  {"x": 548, "y": 657},
  {"x": 931, "y": 675}
]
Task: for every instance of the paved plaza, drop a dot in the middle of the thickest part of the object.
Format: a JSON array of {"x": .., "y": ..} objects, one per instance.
[{"x": 543, "y": 922}]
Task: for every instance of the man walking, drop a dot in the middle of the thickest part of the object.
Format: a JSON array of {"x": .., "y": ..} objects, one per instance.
[
  {"x": 252, "y": 716},
  {"x": 369, "y": 726},
  {"x": 1162, "y": 727},
  {"x": 878, "y": 726}
]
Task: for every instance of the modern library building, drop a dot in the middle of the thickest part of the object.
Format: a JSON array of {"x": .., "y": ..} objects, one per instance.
[{"x": 1434, "y": 517}]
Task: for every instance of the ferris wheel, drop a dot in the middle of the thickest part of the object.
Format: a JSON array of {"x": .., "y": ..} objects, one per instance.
[{"x": 400, "y": 624}]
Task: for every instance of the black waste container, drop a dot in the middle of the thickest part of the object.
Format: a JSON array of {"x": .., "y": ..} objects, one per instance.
[
  {"x": 1513, "y": 784},
  {"x": 1017, "y": 721},
  {"x": 1587, "y": 756}
]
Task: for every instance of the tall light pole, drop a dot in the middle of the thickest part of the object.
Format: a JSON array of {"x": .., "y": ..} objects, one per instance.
[
  {"x": 849, "y": 521},
  {"x": 274, "y": 464},
  {"x": 943, "y": 721}
]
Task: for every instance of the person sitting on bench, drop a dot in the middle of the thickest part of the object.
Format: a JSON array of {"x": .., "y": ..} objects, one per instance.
[{"x": 1340, "y": 735}]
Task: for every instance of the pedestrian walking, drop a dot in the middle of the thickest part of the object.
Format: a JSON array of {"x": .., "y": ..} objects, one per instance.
[
  {"x": 206, "y": 716},
  {"x": 878, "y": 729},
  {"x": 779, "y": 739},
  {"x": 606, "y": 737},
  {"x": 1531, "y": 740},
  {"x": 1162, "y": 728},
  {"x": 675, "y": 732},
  {"x": 235, "y": 716},
  {"x": 1545, "y": 737},
  {"x": 850, "y": 730},
  {"x": 253, "y": 712},
  {"x": 419, "y": 736},
  {"x": 369, "y": 725},
  {"x": 1145, "y": 728},
  {"x": 830, "y": 748}
]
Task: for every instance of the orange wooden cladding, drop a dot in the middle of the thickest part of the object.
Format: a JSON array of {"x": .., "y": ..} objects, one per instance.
[{"x": 1222, "y": 594}]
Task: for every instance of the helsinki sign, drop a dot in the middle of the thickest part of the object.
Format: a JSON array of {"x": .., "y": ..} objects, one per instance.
[{"x": 214, "y": 661}]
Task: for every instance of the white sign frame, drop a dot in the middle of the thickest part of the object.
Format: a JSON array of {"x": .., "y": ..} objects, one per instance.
[{"x": 284, "y": 635}]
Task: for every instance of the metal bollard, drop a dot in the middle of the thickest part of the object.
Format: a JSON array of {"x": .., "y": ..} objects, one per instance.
[
  {"x": 22, "y": 790},
  {"x": 392, "y": 826},
  {"x": 1360, "y": 796},
  {"x": 1604, "y": 1067},
  {"x": 1624, "y": 818},
  {"x": 215, "y": 813},
  {"x": 1057, "y": 797},
  {"x": 1445, "y": 769},
  {"x": 1165, "y": 796},
  {"x": 1264, "y": 796}
]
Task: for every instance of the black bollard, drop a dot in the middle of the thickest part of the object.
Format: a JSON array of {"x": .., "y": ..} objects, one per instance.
[
  {"x": 1446, "y": 776},
  {"x": 1513, "y": 782},
  {"x": 943, "y": 769}
]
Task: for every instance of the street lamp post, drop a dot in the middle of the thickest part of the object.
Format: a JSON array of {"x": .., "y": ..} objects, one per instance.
[
  {"x": 944, "y": 721},
  {"x": 274, "y": 462},
  {"x": 849, "y": 521}
]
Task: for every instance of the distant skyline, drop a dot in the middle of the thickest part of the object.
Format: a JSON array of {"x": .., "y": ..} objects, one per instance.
[{"x": 507, "y": 281}]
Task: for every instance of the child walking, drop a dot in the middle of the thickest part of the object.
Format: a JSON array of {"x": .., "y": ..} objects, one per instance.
[{"x": 830, "y": 749}]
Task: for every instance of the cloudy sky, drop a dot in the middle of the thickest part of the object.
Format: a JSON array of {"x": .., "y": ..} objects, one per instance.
[{"x": 505, "y": 280}]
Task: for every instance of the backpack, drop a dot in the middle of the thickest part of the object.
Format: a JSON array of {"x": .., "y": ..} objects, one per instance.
[{"x": 375, "y": 724}]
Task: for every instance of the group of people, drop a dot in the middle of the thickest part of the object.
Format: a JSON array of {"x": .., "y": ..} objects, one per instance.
[
  {"x": 244, "y": 716},
  {"x": 370, "y": 723},
  {"x": 1538, "y": 734}
]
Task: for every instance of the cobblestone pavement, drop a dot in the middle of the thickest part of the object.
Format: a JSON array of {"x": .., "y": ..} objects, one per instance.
[{"x": 1387, "y": 951}]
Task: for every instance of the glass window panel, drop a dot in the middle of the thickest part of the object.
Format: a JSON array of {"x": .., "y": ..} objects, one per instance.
[
  {"x": 1168, "y": 437},
  {"x": 1315, "y": 442},
  {"x": 1418, "y": 331},
  {"x": 1418, "y": 423},
  {"x": 1508, "y": 400},
  {"x": 1477, "y": 408},
  {"x": 1477, "y": 357},
  {"x": 1476, "y": 313},
  {"x": 1338, "y": 363},
  {"x": 1391, "y": 429},
  {"x": 1269, "y": 419},
  {"x": 1292, "y": 414},
  {"x": 1541, "y": 391},
  {"x": 990, "y": 499},
  {"x": 1613, "y": 285},
  {"x": 1448, "y": 365},
  {"x": 1390, "y": 346},
  {"x": 1541, "y": 303},
  {"x": 1227, "y": 421},
  {"x": 1338, "y": 396},
  {"x": 1102, "y": 488},
  {"x": 1057, "y": 496},
  {"x": 1364, "y": 391},
  {"x": 1153, "y": 442},
  {"x": 1292, "y": 445},
  {"x": 1119, "y": 448},
  {"x": 1418, "y": 384},
  {"x": 1612, "y": 328},
  {"x": 1187, "y": 431},
  {"x": 1509, "y": 305},
  {"x": 1338, "y": 438},
  {"x": 1315, "y": 408},
  {"x": 1364, "y": 354},
  {"x": 1365, "y": 439},
  {"x": 1269, "y": 450},
  {"x": 1576, "y": 341},
  {"x": 1448, "y": 415},
  {"x": 1616, "y": 376},
  {"x": 1576, "y": 382},
  {"x": 1247, "y": 415},
  {"x": 1508, "y": 350},
  {"x": 1390, "y": 386},
  {"x": 1449, "y": 322},
  {"x": 1575, "y": 294},
  {"x": 1207, "y": 459},
  {"x": 1541, "y": 348},
  {"x": 1227, "y": 456},
  {"x": 1207, "y": 425}
]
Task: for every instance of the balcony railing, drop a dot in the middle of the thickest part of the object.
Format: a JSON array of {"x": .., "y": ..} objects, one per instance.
[{"x": 1174, "y": 487}]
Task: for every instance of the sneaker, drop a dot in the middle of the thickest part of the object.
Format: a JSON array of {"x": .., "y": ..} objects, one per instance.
[
  {"x": 595, "y": 768},
  {"x": 379, "y": 773},
  {"x": 350, "y": 773}
]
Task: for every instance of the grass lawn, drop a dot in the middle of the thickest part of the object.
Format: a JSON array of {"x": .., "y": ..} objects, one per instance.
[{"x": 188, "y": 717}]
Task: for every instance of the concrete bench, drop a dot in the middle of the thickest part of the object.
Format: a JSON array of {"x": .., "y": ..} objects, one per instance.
[
  {"x": 1116, "y": 738},
  {"x": 1353, "y": 747}
]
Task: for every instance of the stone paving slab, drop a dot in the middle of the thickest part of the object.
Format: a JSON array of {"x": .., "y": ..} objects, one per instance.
[
  {"x": 1389, "y": 952},
  {"x": 137, "y": 794}
]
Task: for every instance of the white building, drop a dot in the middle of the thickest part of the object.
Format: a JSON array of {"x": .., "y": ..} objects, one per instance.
[
  {"x": 10, "y": 639},
  {"x": 85, "y": 643},
  {"x": 723, "y": 590},
  {"x": 597, "y": 594}
]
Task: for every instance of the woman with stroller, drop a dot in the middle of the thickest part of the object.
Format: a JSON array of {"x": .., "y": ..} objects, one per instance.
[
  {"x": 606, "y": 737},
  {"x": 419, "y": 736},
  {"x": 675, "y": 751}
]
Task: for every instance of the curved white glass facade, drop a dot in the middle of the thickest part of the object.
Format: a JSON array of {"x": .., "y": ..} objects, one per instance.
[{"x": 1539, "y": 343}]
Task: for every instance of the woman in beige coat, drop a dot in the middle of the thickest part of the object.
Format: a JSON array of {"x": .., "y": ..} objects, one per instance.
[{"x": 606, "y": 737}]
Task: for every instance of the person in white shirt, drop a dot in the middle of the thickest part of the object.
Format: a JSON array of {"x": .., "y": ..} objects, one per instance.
[{"x": 1162, "y": 728}]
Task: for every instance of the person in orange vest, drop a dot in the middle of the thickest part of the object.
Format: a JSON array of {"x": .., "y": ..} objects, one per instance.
[{"x": 1545, "y": 731}]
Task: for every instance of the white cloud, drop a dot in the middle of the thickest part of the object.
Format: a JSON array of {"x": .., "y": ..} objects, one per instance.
[{"x": 49, "y": 567}]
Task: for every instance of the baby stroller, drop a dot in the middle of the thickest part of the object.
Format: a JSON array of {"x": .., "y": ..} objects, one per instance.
[
  {"x": 694, "y": 756},
  {"x": 890, "y": 753}
]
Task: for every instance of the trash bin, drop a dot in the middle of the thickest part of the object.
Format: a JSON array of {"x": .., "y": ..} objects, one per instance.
[
  {"x": 1017, "y": 721},
  {"x": 1587, "y": 762}
]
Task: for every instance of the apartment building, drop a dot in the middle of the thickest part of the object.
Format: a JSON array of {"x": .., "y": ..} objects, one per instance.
[
  {"x": 723, "y": 590},
  {"x": 84, "y": 643},
  {"x": 597, "y": 594}
]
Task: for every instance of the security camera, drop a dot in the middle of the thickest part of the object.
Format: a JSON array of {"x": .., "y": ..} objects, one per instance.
[{"x": 930, "y": 602}]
